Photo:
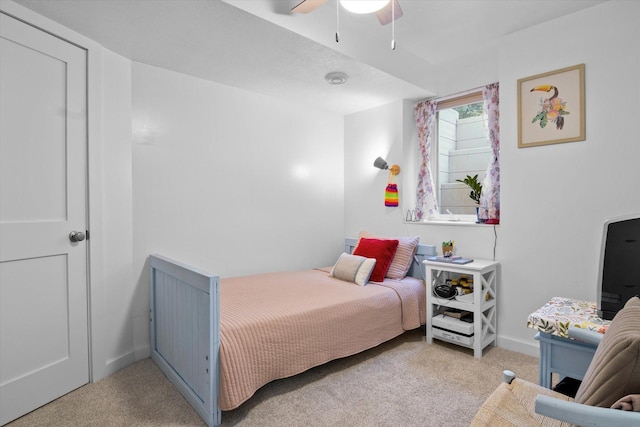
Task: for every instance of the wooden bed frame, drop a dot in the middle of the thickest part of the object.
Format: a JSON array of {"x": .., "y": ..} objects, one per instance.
[{"x": 185, "y": 327}]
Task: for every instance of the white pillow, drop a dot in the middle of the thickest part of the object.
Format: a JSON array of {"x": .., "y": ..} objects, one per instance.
[{"x": 353, "y": 268}]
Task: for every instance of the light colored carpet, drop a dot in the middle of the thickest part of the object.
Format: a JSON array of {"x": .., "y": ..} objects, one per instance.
[{"x": 404, "y": 382}]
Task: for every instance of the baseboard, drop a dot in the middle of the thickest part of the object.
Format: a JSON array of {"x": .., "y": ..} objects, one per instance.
[
  {"x": 114, "y": 365},
  {"x": 142, "y": 352},
  {"x": 525, "y": 347}
]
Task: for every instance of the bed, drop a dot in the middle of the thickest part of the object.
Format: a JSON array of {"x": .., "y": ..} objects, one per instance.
[{"x": 219, "y": 341}]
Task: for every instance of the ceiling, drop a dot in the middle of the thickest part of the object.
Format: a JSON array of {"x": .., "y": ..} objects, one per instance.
[{"x": 258, "y": 45}]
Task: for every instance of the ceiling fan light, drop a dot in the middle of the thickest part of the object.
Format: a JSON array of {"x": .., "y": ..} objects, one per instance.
[{"x": 363, "y": 6}]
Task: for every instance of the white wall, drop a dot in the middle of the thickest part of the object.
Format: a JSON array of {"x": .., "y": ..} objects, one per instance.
[
  {"x": 376, "y": 132},
  {"x": 117, "y": 211},
  {"x": 230, "y": 181},
  {"x": 556, "y": 193},
  {"x": 564, "y": 193}
]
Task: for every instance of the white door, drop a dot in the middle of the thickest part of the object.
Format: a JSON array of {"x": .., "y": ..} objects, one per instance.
[{"x": 44, "y": 350}]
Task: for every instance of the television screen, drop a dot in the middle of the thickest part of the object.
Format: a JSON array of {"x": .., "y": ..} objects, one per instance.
[{"x": 619, "y": 274}]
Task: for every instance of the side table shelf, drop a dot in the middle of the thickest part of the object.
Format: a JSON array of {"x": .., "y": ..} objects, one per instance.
[{"x": 482, "y": 302}]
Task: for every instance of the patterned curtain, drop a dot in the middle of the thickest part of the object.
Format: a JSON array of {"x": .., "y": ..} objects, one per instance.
[
  {"x": 490, "y": 199},
  {"x": 426, "y": 201}
]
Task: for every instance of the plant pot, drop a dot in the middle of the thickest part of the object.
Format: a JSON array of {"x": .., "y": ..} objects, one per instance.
[
  {"x": 447, "y": 250},
  {"x": 478, "y": 219}
]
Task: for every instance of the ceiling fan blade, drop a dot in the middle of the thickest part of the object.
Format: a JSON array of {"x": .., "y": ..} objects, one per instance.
[
  {"x": 384, "y": 14},
  {"x": 306, "y": 6}
]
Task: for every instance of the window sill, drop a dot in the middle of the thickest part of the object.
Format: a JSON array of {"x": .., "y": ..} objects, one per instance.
[{"x": 464, "y": 222}]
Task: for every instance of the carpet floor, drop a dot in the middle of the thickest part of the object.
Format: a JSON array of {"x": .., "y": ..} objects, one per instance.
[{"x": 403, "y": 382}]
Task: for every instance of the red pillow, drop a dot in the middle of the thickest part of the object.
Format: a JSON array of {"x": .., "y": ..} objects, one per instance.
[{"x": 382, "y": 250}]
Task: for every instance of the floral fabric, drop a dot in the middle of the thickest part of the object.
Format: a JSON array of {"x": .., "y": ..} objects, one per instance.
[
  {"x": 490, "y": 198},
  {"x": 557, "y": 315},
  {"x": 426, "y": 201}
]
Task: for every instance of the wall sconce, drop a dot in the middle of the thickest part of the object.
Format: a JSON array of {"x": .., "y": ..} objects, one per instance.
[{"x": 381, "y": 163}]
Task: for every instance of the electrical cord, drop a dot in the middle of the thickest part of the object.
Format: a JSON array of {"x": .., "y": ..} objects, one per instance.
[{"x": 495, "y": 241}]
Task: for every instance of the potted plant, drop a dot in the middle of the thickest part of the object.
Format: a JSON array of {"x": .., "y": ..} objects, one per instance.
[
  {"x": 476, "y": 189},
  {"x": 447, "y": 248}
]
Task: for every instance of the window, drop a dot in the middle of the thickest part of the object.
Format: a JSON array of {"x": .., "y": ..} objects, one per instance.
[
  {"x": 459, "y": 136},
  {"x": 462, "y": 149}
]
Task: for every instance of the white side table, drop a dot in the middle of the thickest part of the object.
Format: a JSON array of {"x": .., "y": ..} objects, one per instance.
[{"x": 482, "y": 303}]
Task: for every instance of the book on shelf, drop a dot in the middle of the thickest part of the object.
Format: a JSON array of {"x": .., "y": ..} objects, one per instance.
[
  {"x": 458, "y": 314},
  {"x": 462, "y": 315},
  {"x": 450, "y": 259}
]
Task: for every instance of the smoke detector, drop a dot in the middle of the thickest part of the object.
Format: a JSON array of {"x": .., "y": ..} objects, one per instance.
[{"x": 336, "y": 78}]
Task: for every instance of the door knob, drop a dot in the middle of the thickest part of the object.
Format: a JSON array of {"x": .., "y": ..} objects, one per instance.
[{"x": 76, "y": 236}]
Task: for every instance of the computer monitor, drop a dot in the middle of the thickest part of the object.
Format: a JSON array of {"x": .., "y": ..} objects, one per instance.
[{"x": 619, "y": 273}]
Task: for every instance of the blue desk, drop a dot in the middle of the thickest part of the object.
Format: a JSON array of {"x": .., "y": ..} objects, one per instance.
[
  {"x": 564, "y": 356},
  {"x": 558, "y": 353}
]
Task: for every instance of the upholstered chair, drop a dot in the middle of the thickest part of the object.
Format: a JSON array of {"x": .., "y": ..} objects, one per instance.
[{"x": 613, "y": 373}]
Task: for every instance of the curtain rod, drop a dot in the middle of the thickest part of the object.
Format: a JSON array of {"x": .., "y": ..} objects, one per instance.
[
  {"x": 454, "y": 95},
  {"x": 459, "y": 94}
]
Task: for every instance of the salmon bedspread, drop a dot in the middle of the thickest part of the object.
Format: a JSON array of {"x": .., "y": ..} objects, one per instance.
[{"x": 276, "y": 325}]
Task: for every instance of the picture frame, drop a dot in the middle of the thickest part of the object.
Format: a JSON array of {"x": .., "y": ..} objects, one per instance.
[{"x": 551, "y": 107}]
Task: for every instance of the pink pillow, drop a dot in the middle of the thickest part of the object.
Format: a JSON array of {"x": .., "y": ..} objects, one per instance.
[{"x": 382, "y": 250}]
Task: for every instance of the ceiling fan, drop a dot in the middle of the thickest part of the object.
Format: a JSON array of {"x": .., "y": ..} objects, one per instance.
[{"x": 386, "y": 10}]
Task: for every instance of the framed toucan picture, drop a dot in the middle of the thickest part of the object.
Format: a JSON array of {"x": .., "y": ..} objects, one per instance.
[{"x": 551, "y": 107}]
